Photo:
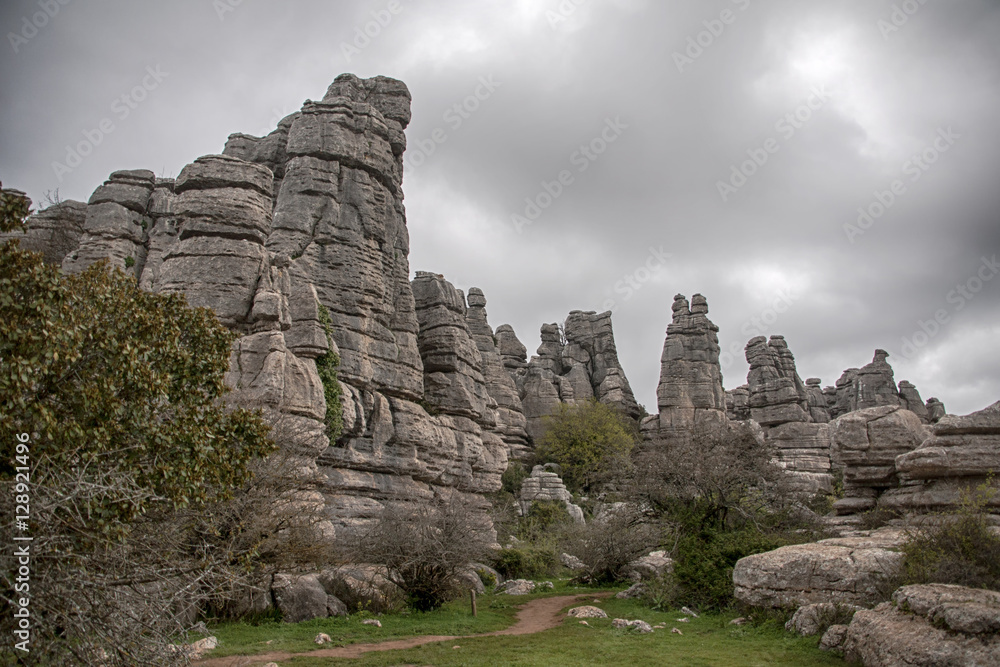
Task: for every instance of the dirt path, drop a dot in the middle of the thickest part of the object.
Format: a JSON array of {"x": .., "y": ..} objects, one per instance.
[{"x": 535, "y": 616}]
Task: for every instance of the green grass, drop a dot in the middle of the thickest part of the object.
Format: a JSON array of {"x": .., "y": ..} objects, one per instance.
[
  {"x": 495, "y": 612},
  {"x": 708, "y": 640}
]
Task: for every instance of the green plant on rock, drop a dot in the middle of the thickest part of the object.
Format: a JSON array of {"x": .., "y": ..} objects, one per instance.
[
  {"x": 326, "y": 367},
  {"x": 962, "y": 549}
]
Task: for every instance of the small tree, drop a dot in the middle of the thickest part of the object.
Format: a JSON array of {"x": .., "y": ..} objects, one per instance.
[
  {"x": 608, "y": 544},
  {"x": 423, "y": 550},
  {"x": 590, "y": 441}
]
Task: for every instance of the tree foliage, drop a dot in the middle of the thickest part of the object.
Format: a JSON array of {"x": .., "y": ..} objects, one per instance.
[
  {"x": 590, "y": 441},
  {"x": 133, "y": 454},
  {"x": 326, "y": 367}
]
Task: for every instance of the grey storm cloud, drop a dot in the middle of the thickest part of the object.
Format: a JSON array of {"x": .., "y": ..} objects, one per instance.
[{"x": 826, "y": 172}]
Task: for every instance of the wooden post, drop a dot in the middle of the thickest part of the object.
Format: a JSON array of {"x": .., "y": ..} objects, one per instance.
[{"x": 472, "y": 595}]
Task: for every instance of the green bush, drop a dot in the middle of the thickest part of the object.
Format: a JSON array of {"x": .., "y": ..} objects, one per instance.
[
  {"x": 661, "y": 593},
  {"x": 960, "y": 550},
  {"x": 588, "y": 440},
  {"x": 488, "y": 578},
  {"x": 704, "y": 564},
  {"x": 326, "y": 367},
  {"x": 513, "y": 477},
  {"x": 542, "y": 517},
  {"x": 525, "y": 562}
]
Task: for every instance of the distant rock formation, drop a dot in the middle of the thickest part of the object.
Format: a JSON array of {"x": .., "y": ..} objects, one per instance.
[
  {"x": 575, "y": 363},
  {"x": 511, "y": 422},
  {"x": 783, "y": 405},
  {"x": 962, "y": 455},
  {"x": 690, "y": 390},
  {"x": 55, "y": 232}
]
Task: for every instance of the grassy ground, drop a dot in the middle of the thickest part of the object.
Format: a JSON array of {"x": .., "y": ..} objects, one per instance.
[
  {"x": 709, "y": 640},
  {"x": 495, "y": 612}
]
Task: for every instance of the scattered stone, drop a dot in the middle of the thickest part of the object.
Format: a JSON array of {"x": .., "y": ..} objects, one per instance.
[
  {"x": 683, "y": 620},
  {"x": 638, "y": 625},
  {"x": 571, "y": 562},
  {"x": 197, "y": 649},
  {"x": 372, "y": 621},
  {"x": 516, "y": 587},
  {"x": 652, "y": 565},
  {"x": 676, "y": 631},
  {"x": 738, "y": 621},
  {"x": 636, "y": 590},
  {"x": 587, "y": 611},
  {"x": 322, "y": 638},
  {"x": 685, "y": 610},
  {"x": 833, "y": 638},
  {"x": 585, "y": 623}
]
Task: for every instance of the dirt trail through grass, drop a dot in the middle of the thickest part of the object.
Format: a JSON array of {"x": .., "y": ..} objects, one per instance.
[{"x": 535, "y": 616}]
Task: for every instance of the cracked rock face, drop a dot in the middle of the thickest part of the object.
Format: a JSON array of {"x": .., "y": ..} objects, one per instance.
[
  {"x": 961, "y": 455},
  {"x": 690, "y": 390},
  {"x": 275, "y": 230}
]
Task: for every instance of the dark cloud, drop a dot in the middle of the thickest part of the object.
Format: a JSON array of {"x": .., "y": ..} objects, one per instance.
[{"x": 783, "y": 239}]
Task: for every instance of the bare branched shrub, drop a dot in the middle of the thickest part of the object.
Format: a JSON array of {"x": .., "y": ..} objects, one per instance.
[
  {"x": 423, "y": 549},
  {"x": 608, "y": 544}
]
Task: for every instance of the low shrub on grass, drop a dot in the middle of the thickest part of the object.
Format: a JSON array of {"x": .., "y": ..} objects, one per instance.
[{"x": 525, "y": 562}]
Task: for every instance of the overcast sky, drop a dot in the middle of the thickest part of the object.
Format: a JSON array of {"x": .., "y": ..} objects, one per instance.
[{"x": 722, "y": 147}]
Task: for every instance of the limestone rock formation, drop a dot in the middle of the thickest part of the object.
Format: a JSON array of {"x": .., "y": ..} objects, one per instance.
[
  {"x": 962, "y": 454},
  {"x": 546, "y": 486},
  {"x": 819, "y": 402},
  {"x": 282, "y": 231},
  {"x": 784, "y": 406},
  {"x": 511, "y": 422},
  {"x": 777, "y": 394},
  {"x": 935, "y": 410},
  {"x": 926, "y": 626},
  {"x": 839, "y": 570},
  {"x": 738, "y": 403},
  {"x": 865, "y": 444},
  {"x": 54, "y": 232},
  {"x": 690, "y": 390},
  {"x": 575, "y": 363},
  {"x": 910, "y": 399}
]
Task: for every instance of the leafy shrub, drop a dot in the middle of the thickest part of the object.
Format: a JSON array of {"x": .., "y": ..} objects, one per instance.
[
  {"x": 513, "y": 477},
  {"x": 661, "y": 593},
  {"x": 326, "y": 367},
  {"x": 588, "y": 440},
  {"x": 960, "y": 550},
  {"x": 704, "y": 564},
  {"x": 877, "y": 518},
  {"x": 542, "y": 517},
  {"x": 525, "y": 562},
  {"x": 488, "y": 578}
]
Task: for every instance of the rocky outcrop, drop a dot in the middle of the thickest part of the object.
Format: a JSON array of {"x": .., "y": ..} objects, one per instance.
[
  {"x": 574, "y": 363},
  {"x": 690, "y": 389},
  {"x": 777, "y": 394},
  {"x": 927, "y": 625},
  {"x": 818, "y": 400},
  {"x": 962, "y": 454},
  {"x": 116, "y": 224},
  {"x": 840, "y": 570},
  {"x": 510, "y": 420},
  {"x": 909, "y": 398},
  {"x": 784, "y": 406},
  {"x": 865, "y": 444},
  {"x": 738, "y": 403},
  {"x": 55, "y": 232},
  {"x": 304, "y": 226},
  {"x": 543, "y": 485},
  {"x": 874, "y": 386}
]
